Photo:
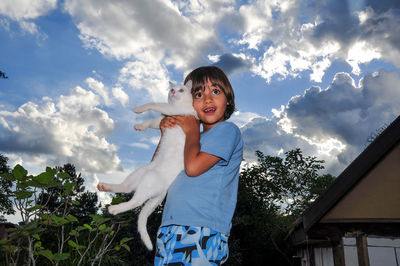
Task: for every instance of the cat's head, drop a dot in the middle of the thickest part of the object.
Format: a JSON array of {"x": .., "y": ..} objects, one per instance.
[{"x": 179, "y": 93}]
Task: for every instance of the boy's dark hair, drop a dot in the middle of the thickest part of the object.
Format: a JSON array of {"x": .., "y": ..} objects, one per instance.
[{"x": 217, "y": 77}]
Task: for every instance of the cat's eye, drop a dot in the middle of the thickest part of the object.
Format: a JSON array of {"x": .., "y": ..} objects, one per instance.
[{"x": 181, "y": 90}]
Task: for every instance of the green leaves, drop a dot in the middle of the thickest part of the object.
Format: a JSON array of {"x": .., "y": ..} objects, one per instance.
[
  {"x": 97, "y": 219},
  {"x": 19, "y": 175},
  {"x": 88, "y": 227},
  {"x": 122, "y": 243},
  {"x": 62, "y": 256},
  {"x": 63, "y": 175},
  {"x": 68, "y": 186},
  {"x": 74, "y": 233},
  {"x": 125, "y": 239},
  {"x": 102, "y": 227},
  {"x": 289, "y": 183},
  {"x": 72, "y": 243},
  {"x": 8, "y": 176},
  {"x": 117, "y": 200},
  {"x": 71, "y": 218},
  {"x": 272, "y": 193},
  {"x": 57, "y": 220},
  {"x": 47, "y": 254},
  {"x": 44, "y": 178},
  {"x": 23, "y": 194},
  {"x": 60, "y": 220},
  {"x": 19, "y": 172}
]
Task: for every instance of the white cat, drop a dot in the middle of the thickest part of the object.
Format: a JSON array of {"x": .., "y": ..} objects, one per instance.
[{"x": 151, "y": 182}]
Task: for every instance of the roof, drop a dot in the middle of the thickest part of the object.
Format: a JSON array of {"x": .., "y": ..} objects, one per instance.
[{"x": 366, "y": 161}]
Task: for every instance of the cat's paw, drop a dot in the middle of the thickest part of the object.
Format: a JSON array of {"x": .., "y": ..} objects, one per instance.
[
  {"x": 140, "y": 109},
  {"x": 140, "y": 127},
  {"x": 102, "y": 187},
  {"x": 113, "y": 209}
]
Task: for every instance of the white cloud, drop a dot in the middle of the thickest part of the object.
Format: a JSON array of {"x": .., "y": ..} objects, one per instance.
[
  {"x": 29, "y": 27},
  {"x": 291, "y": 57},
  {"x": 13, "y": 159},
  {"x": 361, "y": 52},
  {"x": 332, "y": 124},
  {"x": 126, "y": 29},
  {"x": 257, "y": 22},
  {"x": 22, "y": 11},
  {"x": 290, "y": 44},
  {"x": 5, "y": 24},
  {"x": 282, "y": 40},
  {"x": 99, "y": 87},
  {"x": 319, "y": 68},
  {"x": 140, "y": 145},
  {"x": 146, "y": 74},
  {"x": 241, "y": 118},
  {"x": 380, "y": 31},
  {"x": 69, "y": 129},
  {"x": 117, "y": 92},
  {"x": 121, "y": 96},
  {"x": 91, "y": 181}
]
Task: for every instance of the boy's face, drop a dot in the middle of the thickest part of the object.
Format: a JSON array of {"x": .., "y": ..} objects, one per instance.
[{"x": 210, "y": 105}]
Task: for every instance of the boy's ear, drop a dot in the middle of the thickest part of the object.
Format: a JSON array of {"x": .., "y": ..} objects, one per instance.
[{"x": 188, "y": 84}]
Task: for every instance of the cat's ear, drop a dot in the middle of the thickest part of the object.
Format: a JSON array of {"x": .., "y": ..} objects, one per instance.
[
  {"x": 189, "y": 84},
  {"x": 171, "y": 84}
]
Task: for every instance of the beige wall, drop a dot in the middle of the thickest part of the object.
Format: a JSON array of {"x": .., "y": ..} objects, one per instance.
[{"x": 376, "y": 196}]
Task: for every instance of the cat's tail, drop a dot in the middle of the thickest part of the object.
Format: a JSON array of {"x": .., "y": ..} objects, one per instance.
[{"x": 147, "y": 209}]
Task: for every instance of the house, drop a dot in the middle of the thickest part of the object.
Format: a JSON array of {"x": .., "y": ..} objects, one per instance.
[{"x": 356, "y": 221}]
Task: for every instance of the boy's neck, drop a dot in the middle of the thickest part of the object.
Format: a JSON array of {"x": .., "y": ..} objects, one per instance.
[{"x": 207, "y": 127}]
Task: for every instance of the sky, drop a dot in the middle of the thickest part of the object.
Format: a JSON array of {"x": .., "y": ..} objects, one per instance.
[{"x": 318, "y": 75}]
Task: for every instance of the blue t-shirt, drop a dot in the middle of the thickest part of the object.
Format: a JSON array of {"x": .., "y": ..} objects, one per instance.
[{"x": 209, "y": 200}]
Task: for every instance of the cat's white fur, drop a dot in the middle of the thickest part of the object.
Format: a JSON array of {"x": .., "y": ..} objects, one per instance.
[{"x": 151, "y": 182}]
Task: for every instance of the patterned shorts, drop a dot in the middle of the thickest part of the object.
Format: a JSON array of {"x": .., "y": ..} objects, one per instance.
[{"x": 190, "y": 245}]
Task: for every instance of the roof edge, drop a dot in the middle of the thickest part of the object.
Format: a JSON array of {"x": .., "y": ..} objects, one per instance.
[{"x": 352, "y": 174}]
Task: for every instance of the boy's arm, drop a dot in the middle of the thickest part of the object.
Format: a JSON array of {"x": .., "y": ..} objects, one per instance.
[{"x": 196, "y": 162}]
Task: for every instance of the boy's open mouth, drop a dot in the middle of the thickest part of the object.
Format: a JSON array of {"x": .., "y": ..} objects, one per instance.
[{"x": 209, "y": 110}]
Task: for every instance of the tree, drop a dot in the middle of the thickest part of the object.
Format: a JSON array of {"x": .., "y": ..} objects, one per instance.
[
  {"x": 80, "y": 203},
  {"x": 48, "y": 232},
  {"x": 5, "y": 189},
  {"x": 139, "y": 255},
  {"x": 272, "y": 194}
]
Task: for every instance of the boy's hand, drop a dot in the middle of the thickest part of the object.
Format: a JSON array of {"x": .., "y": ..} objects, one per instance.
[
  {"x": 188, "y": 123},
  {"x": 167, "y": 122}
]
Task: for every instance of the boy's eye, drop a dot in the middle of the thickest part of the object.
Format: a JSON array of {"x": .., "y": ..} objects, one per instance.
[
  {"x": 198, "y": 95},
  {"x": 216, "y": 91}
]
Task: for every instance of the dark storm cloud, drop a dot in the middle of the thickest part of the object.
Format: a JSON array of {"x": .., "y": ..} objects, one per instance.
[
  {"x": 343, "y": 111},
  {"x": 318, "y": 112},
  {"x": 381, "y": 6},
  {"x": 266, "y": 135},
  {"x": 383, "y": 28},
  {"x": 337, "y": 21},
  {"x": 40, "y": 144},
  {"x": 230, "y": 63}
]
